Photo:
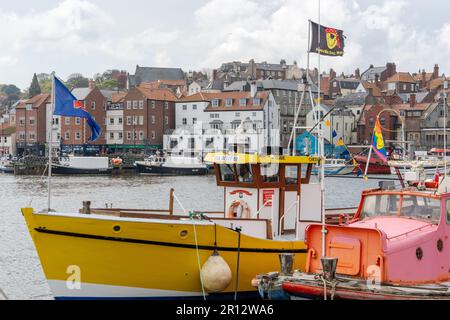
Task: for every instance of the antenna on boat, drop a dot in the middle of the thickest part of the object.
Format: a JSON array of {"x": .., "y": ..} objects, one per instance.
[{"x": 444, "y": 105}]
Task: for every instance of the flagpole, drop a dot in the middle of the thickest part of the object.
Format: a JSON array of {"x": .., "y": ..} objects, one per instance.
[
  {"x": 322, "y": 151},
  {"x": 50, "y": 146}
]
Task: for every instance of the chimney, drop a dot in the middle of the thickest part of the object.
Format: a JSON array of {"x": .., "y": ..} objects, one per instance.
[
  {"x": 377, "y": 79},
  {"x": 357, "y": 74},
  {"x": 424, "y": 79},
  {"x": 91, "y": 84},
  {"x": 332, "y": 74},
  {"x": 412, "y": 100},
  {"x": 436, "y": 71},
  {"x": 214, "y": 74},
  {"x": 253, "y": 89}
]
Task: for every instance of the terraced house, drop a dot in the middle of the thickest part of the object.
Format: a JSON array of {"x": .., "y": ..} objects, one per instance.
[{"x": 147, "y": 115}]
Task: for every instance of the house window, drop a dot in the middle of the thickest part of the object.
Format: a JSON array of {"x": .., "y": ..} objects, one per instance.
[
  {"x": 184, "y": 107},
  {"x": 128, "y": 105},
  {"x": 111, "y": 120},
  {"x": 120, "y": 120},
  {"x": 32, "y": 136},
  {"x": 67, "y": 121},
  {"x": 256, "y": 101},
  {"x": 129, "y": 120},
  {"x": 242, "y": 102},
  {"x": 93, "y": 105},
  {"x": 141, "y": 104},
  {"x": 128, "y": 135},
  {"x": 391, "y": 86},
  {"x": 383, "y": 121},
  {"x": 404, "y": 87},
  {"x": 29, "y": 107},
  {"x": 111, "y": 135},
  {"x": 228, "y": 102},
  {"x": 141, "y": 120},
  {"x": 32, "y": 121},
  {"x": 166, "y": 119},
  {"x": 153, "y": 120},
  {"x": 166, "y": 105},
  {"x": 194, "y": 107},
  {"x": 237, "y": 114},
  {"x": 77, "y": 121},
  {"x": 184, "y": 121},
  {"x": 153, "y": 135},
  {"x": 215, "y": 102},
  {"x": 78, "y": 136},
  {"x": 22, "y": 122},
  {"x": 67, "y": 136},
  {"x": 135, "y": 120},
  {"x": 22, "y": 135},
  {"x": 153, "y": 103},
  {"x": 141, "y": 135},
  {"x": 120, "y": 135},
  {"x": 135, "y": 104},
  {"x": 253, "y": 114}
]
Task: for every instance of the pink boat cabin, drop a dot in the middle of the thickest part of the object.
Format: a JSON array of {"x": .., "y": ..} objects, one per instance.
[{"x": 397, "y": 236}]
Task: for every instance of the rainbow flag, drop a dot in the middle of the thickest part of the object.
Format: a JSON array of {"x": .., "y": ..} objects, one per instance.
[{"x": 378, "y": 142}]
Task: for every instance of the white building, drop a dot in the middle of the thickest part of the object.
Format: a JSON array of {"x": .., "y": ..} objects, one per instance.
[
  {"x": 218, "y": 120},
  {"x": 341, "y": 121},
  {"x": 114, "y": 124}
]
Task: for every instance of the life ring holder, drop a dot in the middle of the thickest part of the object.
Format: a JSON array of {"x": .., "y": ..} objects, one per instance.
[{"x": 233, "y": 210}]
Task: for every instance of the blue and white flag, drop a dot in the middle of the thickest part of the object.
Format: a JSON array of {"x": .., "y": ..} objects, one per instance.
[{"x": 68, "y": 106}]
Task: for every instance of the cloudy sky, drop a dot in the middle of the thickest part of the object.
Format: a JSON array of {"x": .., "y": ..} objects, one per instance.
[{"x": 90, "y": 36}]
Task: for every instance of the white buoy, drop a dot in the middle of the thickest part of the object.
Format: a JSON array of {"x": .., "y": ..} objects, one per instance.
[{"x": 216, "y": 274}]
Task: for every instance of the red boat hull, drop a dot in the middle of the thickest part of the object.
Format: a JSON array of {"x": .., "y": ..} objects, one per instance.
[
  {"x": 317, "y": 292},
  {"x": 376, "y": 166}
]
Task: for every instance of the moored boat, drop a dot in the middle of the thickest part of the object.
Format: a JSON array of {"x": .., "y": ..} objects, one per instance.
[
  {"x": 171, "y": 166},
  {"x": 6, "y": 166},
  {"x": 336, "y": 167},
  {"x": 395, "y": 247},
  {"x": 148, "y": 254},
  {"x": 376, "y": 165},
  {"x": 81, "y": 166}
]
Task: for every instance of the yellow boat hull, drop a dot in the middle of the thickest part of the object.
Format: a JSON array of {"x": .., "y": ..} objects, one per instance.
[{"x": 94, "y": 256}]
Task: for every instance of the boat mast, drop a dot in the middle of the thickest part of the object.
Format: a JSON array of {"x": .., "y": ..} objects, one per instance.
[
  {"x": 50, "y": 145},
  {"x": 322, "y": 151}
]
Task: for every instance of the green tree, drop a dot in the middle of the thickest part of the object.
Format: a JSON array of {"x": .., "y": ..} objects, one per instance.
[
  {"x": 12, "y": 92},
  {"x": 110, "y": 84},
  {"x": 35, "y": 88},
  {"x": 46, "y": 85},
  {"x": 77, "y": 82}
]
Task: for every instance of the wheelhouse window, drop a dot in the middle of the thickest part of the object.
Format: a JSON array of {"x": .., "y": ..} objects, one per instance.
[
  {"x": 244, "y": 172},
  {"x": 412, "y": 207},
  {"x": 227, "y": 173},
  {"x": 270, "y": 173},
  {"x": 291, "y": 175}
]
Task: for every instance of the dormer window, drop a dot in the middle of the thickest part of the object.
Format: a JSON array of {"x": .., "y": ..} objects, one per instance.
[
  {"x": 229, "y": 102},
  {"x": 256, "y": 101},
  {"x": 243, "y": 102},
  {"x": 29, "y": 106},
  {"x": 215, "y": 102}
]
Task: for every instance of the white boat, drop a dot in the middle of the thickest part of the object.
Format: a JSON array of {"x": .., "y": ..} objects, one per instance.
[
  {"x": 172, "y": 165},
  {"x": 336, "y": 167},
  {"x": 82, "y": 165},
  {"x": 6, "y": 166},
  {"x": 430, "y": 165}
]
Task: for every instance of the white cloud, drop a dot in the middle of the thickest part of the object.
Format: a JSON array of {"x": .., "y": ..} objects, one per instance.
[{"x": 81, "y": 36}]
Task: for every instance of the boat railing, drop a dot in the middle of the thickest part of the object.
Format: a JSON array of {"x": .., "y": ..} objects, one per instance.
[{"x": 283, "y": 218}]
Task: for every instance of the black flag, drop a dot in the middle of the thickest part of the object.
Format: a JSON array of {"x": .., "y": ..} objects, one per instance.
[{"x": 331, "y": 41}]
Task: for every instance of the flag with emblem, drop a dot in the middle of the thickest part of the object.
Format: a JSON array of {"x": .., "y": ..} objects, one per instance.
[
  {"x": 331, "y": 40},
  {"x": 67, "y": 105}
]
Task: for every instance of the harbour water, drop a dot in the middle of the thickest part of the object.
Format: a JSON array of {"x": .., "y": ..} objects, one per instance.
[{"x": 21, "y": 276}]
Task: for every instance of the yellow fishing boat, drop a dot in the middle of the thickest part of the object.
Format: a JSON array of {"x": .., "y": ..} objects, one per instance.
[{"x": 156, "y": 254}]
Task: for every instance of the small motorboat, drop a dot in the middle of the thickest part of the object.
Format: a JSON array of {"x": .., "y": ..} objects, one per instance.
[
  {"x": 171, "y": 165},
  {"x": 6, "y": 166},
  {"x": 336, "y": 167},
  {"x": 376, "y": 165},
  {"x": 395, "y": 247},
  {"x": 81, "y": 166}
]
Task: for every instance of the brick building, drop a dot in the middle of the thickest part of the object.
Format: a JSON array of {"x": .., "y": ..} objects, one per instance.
[
  {"x": 31, "y": 122},
  {"x": 147, "y": 114},
  {"x": 366, "y": 124}
]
